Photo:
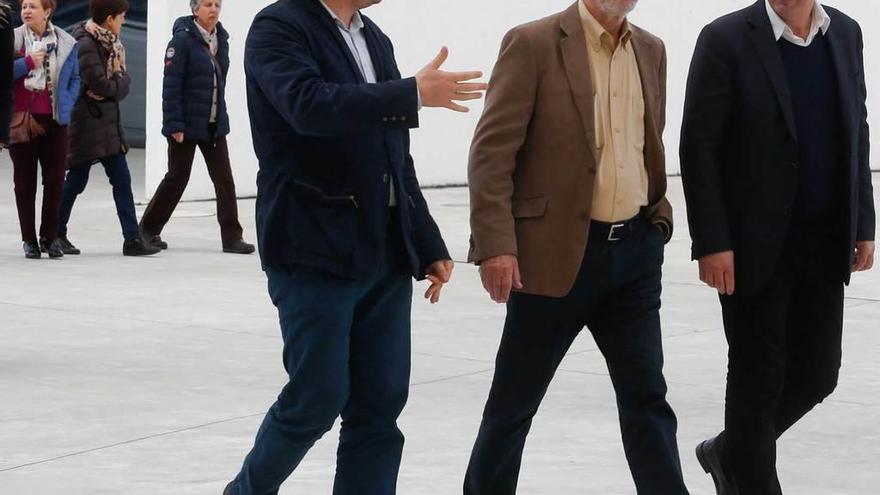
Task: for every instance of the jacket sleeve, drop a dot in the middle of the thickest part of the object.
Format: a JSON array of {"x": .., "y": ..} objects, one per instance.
[
  {"x": 94, "y": 74},
  {"x": 281, "y": 63},
  {"x": 74, "y": 85},
  {"x": 708, "y": 104},
  {"x": 429, "y": 242},
  {"x": 866, "y": 226},
  {"x": 176, "y": 65},
  {"x": 6, "y": 74},
  {"x": 499, "y": 135},
  {"x": 20, "y": 68}
]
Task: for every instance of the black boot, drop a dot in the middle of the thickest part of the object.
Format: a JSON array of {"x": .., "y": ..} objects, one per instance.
[
  {"x": 31, "y": 250},
  {"x": 137, "y": 247},
  {"x": 713, "y": 458},
  {"x": 67, "y": 247},
  {"x": 155, "y": 241},
  {"x": 52, "y": 247},
  {"x": 238, "y": 247}
]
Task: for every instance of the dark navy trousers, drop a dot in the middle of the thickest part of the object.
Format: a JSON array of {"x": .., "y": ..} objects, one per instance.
[
  {"x": 617, "y": 296},
  {"x": 347, "y": 354},
  {"x": 116, "y": 168}
]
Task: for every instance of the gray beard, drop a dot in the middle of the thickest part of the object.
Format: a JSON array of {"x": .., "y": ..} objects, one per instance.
[{"x": 613, "y": 7}]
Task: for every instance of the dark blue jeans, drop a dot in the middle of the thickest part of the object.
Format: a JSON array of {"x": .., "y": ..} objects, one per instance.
[
  {"x": 116, "y": 168},
  {"x": 347, "y": 353},
  {"x": 617, "y": 296}
]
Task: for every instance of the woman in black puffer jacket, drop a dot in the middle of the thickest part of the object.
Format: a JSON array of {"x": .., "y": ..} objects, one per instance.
[
  {"x": 194, "y": 109},
  {"x": 96, "y": 134}
]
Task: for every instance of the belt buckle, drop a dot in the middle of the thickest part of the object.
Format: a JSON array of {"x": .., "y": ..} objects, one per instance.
[{"x": 612, "y": 230}]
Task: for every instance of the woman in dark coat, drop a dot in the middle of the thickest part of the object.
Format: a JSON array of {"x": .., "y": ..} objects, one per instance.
[
  {"x": 7, "y": 55},
  {"x": 194, "y": 114},
  {"x": 96, "y": 134}
]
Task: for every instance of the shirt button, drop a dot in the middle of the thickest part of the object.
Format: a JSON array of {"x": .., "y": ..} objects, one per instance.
[{"x": 617, "y": 130}]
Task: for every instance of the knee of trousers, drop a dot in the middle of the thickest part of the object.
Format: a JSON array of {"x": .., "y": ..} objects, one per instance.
[
  {"x": 312, "y": 406},
  {"x": 820, "y": 388}
]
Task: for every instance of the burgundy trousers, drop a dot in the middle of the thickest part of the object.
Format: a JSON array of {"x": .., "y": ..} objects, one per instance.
[{"x": 49, "y": 153}]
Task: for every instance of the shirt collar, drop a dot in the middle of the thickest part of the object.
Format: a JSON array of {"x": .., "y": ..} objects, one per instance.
[
  {"x": 357, "y": 22},
  {"x": 205, "y": 33},
  {"x": 821, "y": 21},
  {"x": 596, "y": 34}
]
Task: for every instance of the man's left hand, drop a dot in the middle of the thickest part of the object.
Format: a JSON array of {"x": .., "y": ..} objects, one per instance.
[
  {"x": 439, "y": 274},
  {"x": 864, "y": 260}
]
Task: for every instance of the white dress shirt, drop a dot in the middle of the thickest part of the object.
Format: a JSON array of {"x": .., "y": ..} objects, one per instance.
[
  {"x": 821, "y": 22},
  {"x": 357, "y": 43}
]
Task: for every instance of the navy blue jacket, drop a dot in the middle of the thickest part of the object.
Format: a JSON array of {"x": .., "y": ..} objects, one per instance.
[
  {"x": 739, "y": 144},
  {"x": 188, "y": 87},
  {"x": 329, "y": 144}
]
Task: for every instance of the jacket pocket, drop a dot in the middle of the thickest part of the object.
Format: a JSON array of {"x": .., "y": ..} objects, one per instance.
[
  {"x": 324, "y": 225},
  {"x": 318, "y": 194},
  {"x": 529, "y": 207}
]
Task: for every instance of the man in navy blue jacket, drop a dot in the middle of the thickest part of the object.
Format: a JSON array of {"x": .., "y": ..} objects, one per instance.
[
  {"x": 342, "y": 228},
  {"x": 775, "y": 167}
]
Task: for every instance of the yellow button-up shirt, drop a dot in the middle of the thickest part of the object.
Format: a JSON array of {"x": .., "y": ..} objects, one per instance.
[{"x": 621, "y": 185}]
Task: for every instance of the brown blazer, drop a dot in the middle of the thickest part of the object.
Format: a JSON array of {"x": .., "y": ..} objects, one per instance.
[{"x": 533, "y": 158}]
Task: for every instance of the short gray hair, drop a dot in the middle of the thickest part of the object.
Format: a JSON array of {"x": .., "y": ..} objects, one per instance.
[{"x": 194, "y": 4}]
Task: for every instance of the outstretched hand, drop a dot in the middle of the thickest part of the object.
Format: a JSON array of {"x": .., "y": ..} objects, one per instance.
[{"x": 439, "y": 88}]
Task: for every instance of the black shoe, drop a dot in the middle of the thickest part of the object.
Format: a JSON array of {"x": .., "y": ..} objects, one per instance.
[
  {"x": 228, "y": 489},
  {"x": 156, "y": 241},
  {"x": 67, "y": 247},
  {"x": 31, "y": 250},
  {"x": 138, "y": 247},
  {"x": 53, "y": 248},
  {"x": 711, "y": 456},
  {"x": 238, "y": 247}
]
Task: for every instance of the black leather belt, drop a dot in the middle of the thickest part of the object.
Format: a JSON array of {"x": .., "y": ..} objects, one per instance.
[{"x": 617, "y": 231}]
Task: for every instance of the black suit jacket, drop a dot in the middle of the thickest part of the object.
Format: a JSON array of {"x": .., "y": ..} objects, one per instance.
[
  {"x": 739, "y": 145},
  {"x": 329, "y": 145}
]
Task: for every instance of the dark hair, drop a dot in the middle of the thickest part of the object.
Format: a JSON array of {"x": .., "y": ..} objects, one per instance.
[{"x": 102, "y": 9}]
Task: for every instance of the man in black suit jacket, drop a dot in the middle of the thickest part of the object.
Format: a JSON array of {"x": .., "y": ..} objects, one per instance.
[
  {"x": 774, "y": 157},
  {"x": 342, "y": 229}
]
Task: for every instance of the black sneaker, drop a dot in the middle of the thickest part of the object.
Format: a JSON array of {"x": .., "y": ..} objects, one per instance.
[
  {"x": 53, "y": 248},
  {"x": 67, "y": 247},
  {"x": 238, "y": 247},
  {"x": 156, "y": 241},
  {"x": 138, "y": 247},
  {"x": 31, "y": 250}
]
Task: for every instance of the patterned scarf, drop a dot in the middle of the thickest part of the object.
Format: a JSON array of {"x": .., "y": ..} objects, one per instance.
[
  {"x": 110, "y": 41},
  {"x": 38, "y": 78}
]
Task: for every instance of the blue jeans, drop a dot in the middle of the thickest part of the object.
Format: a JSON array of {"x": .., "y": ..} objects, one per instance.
[
  {"x": 617, "y": 296},
  {"x": 116, "y": 168},
  {"x": 347, "y": 353}
]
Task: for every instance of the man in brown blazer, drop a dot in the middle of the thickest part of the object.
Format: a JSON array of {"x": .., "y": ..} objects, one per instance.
[{"x": 569, "y": 221}]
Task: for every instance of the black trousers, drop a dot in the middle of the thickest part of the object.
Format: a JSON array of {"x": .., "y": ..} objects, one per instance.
[
  {"x": 616, "y": 295},
  {"x": 784, "y": 352},
  {"x": 180, "y": 162}
]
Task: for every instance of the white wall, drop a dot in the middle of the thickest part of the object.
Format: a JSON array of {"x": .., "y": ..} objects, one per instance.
[{"x": 472, "y": 29}]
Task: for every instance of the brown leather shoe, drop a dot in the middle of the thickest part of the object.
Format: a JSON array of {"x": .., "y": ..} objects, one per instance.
[{"x": 238, "y": 247}]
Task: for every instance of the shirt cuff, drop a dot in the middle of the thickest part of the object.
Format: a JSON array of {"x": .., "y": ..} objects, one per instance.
[{"x": 419, "y": 97}]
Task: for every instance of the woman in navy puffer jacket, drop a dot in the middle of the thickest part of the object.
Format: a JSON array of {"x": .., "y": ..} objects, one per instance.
[{"x": 194, "y": 110}]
